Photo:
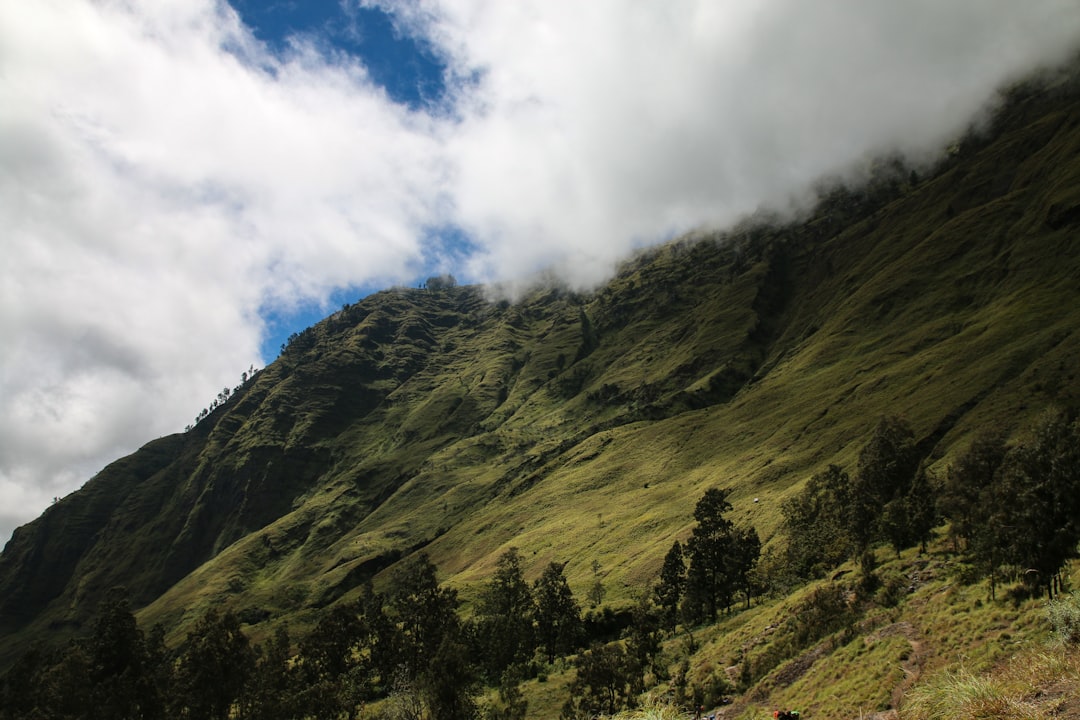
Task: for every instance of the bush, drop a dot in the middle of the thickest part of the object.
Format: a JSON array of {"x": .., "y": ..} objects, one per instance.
[
  {"x": 715, "y": 689},
  {"x": 1064, "y": 616},
  {"x": 892, "y": 591},
  {"x": 822, "y": 613}
]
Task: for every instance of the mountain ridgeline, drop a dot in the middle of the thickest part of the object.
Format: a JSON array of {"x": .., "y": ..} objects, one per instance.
[{"x": 582, "y": 427}]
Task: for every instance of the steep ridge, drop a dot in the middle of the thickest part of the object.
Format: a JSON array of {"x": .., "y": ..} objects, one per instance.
[{"x": 583, "y": 427}]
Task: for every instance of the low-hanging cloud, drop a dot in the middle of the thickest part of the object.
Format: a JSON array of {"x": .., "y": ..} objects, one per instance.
[
  {"x": 164, "y": 178},
  {"x": 609, "y": 124}
]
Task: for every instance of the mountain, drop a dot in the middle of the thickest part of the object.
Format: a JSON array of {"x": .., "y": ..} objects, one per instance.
[{"x": 583, "y": 426}]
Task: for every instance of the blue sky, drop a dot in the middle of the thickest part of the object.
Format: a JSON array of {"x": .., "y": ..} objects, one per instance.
[
  {"x": 405, "y": 66},
  {"x": 454, "y": 247},
  {"x": 185, "y": 183}
]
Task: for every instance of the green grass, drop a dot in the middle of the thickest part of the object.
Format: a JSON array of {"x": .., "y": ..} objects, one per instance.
[{"x": 945, "y": 650}]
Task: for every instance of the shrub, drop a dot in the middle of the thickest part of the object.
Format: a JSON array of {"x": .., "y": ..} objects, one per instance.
[
  {"x": 892, "y": 591},
  {"x": 1064, "y": 616}
]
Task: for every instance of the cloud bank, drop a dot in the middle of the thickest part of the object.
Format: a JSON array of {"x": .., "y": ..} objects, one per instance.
[{"x": 166, "y": 180}]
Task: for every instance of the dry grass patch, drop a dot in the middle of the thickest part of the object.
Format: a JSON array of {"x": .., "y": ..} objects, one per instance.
[
  {"x": 653, "y": 710},
  {"x": 1034, "y": 685}
]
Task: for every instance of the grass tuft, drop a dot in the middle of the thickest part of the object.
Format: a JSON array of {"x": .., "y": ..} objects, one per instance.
[
  {"x": 1033, "y": 685},
  {"x": 653, "y": 710},
  {"x": 960, "y": 695}
]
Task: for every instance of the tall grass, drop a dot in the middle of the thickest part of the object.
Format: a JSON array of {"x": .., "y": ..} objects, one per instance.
[
  {"x": 960, "y": 695},
  {"x": 653, "y": 710},
  {"x": 1016, "y": 691},
  {"x": 657, "y": 712}
]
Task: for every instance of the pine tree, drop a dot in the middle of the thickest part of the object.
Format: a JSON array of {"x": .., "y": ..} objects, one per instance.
[
  {"x": 709, "y": 585},
  {"x": 818, "y": 524},
  {"x": 642, "y": 643},
  {"x": 887, "y": 465},
  {"x": 558, "y": 617},
  {"x": 669, "y": 591},
  {"x": 603, "y": 684},
  {"x": 1040, "y": 500},
  {"x": 117, "y": 657},
  {"x": 213, "y": 669},
  {"x": 271, "y": 693},
  {"x": 504, "y": 617},
  {"x": 921, "y": 503},
  {"x": 333, "y": 668},
  {"x": 967, "y": 484},
  {"x": 435, "y": 668},
  {"x": 422, "y": 611},
  {"x": 745, "y": 552}
]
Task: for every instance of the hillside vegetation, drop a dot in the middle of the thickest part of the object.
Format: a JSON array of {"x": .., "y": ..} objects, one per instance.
[{"x": 581, "y": 428}]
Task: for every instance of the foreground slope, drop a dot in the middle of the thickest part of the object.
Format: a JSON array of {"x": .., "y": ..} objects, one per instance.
[{"x": 583, "y": 427}]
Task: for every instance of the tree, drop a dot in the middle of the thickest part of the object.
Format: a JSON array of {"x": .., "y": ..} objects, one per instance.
[
  {"x": 114, "y": 672},
  {"x": 642, "y": 643},
  {"x": 422, "y": 611},
  {"x": 894, "y": 524},
  {"x": 119, "y": 672},
  {"x": 1040, "y": 500},
  {"x": 333, "y": 667},
  {"x": 434, "y": 663},
  {"x": 887, "y": 464},
  {"x": 818, "y": 524},
  {"x": 558, "y": 617},
  {"x": 976, "y": 499},
  {"x": 512, "y": 704},
  {"x": 1019, "y": 506},
  {"x": 993, "y": 529},
  {"x": 596, "y": 590},
  {"x": 440, "y": 282},
  {"x": 743, "y": 558},
  {"x": 383, "y": 644},
  {"x": 22, "y": 684},
  {"x": 602, "y": 685},
  {"x": 116, "y": 654},
  {"x": 271, "y": 693},
  {"x": 921, "y": 506},
  {"x": 448, "y": 688},
  {"x": 214, "y": 667},
  {"x": 504, "y": 617},
  {"x": 159, "y": 674},
  {"x": 709, "y": 585},
  {"x": 669, "y": 591},
  {"x": 66, "y": 685},
  {"x": 967, "y": 483}
]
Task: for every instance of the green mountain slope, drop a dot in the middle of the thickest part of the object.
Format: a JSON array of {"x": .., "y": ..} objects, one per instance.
[{"x": 583, "y": 427}]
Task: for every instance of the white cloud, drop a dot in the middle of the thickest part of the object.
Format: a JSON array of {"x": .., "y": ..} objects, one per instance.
[
  {"x": 162, "y": 177},
  {"x": 605, "y": 124}
]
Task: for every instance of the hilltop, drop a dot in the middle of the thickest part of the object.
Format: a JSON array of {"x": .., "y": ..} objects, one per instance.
[{"x": 581, "y": 427}]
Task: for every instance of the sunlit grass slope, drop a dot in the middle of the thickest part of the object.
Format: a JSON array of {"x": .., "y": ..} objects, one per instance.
[
  {"x": 583, "y": 427},
  {"x": 926, "y": 645}
]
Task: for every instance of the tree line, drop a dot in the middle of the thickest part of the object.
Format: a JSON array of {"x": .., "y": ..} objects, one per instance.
[
  {"x": 408, "y": 649},
  {"x": 223, "y": 397},
  {"x": 699, "y": 579},
  {"x": 1013, "y": 510},
  {"x": 721, "y": 558}
]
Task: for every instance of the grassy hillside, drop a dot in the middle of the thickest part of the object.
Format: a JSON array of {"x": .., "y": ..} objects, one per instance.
[
  {"x": 582, "y": 427},
  {"x": 927, "y": 645}
]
